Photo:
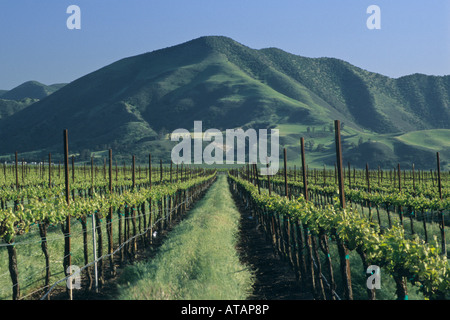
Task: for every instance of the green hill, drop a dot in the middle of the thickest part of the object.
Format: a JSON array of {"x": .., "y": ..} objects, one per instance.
[
  {"x": 132, "y": 104},
  {"x": 9, "y": 107},
  {"x": 32, "y": 90}
]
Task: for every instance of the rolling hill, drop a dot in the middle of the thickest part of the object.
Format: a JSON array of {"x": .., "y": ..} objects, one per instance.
[
  {"x": 30, "y": 89},
  {"x": 22, "y": 96},
  {"x": 133, "y": 103}
]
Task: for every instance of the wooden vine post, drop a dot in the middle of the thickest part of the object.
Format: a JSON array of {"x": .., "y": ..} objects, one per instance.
[
  {"x": 305, "y": 180},
  {"x": 400, "y": 209},
  {"x": 442, "y": 224},
  {"x": 110, "y": 219},
  {"x": 257, "y": 177},
  {"x": 286, "y": 191},
  {"x": 49, "y": 170},
  {"x": 17, "y": 171},
  {"x": 368, "y": 190},
  {"x": 308, "y": 236},
  {"x": 343, "y": 250},
  {"x": 67, "y": 254},
  {"x": 133, "y": 211},
  {"x": 150, "y": 170}
]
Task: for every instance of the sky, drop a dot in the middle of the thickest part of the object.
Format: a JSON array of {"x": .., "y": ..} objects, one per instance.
[{"x": 35, "y": 43}]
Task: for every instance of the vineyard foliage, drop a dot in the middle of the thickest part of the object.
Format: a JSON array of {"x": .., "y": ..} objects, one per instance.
[
  {"x": 120, "y": 204},
  {"x": 422, "y": 264}
]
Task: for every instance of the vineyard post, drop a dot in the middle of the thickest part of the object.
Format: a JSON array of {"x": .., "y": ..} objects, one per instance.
[
  {"x": 49, "y": 170},
  {"x": 339, "y": 162},
  {"x": 342, "y": 248},
  {"x": 335, "y": 174},
  {"x": 133, "y": 173},
  {"x": 94, "y": 245},
  {"x": 67, "y": 253},
  {"x": 400, "y": 190},
  {"x": 23, "y": 169},
  {"x": 150, "y": 170},
  {"x": 268, "y": 180},
  {"x": 285, "y": 175},
  {"x": 378, "y": 175},
  {"x": 150, "y": 237},
  {"x": 92, "y": 176},
  {"x": 349, "y": 177},
  {"x": 439, "y": 175},
  {"x": 305, "y": 180},
  {"x": 414, "y": 178},
  {"x": 442, "y": 226},
  {"x": 17, "y": 174},
  {"x": 133, "y": 211},
  {"x": 110, "y": 219},
  {"x": 368, "y": 190},
  {"x": 117, "y": 171},
  {"x": 73, "y": 169},
  {"x": 160, "y": 171}
]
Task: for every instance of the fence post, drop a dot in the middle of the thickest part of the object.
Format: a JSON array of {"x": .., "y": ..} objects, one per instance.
[
  {"x": 442, "y": 226},
  {"x": 305, "y": 180},
  {"x": 342, "y": 248},
  {"x": 67, "y": 253},
  {"x": 110, "y": 220},
  {"x": 286, "y": 191},
  {"x": 94, "y": 244}
]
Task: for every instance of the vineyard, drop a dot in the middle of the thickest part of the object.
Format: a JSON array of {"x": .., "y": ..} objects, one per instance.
[
  {"x": 65, "y": 227},
  {"x": 48, "y": 221},
  {"x": 397, "y": 222}
]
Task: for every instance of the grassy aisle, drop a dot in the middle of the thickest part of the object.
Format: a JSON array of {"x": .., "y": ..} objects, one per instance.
[{"x": 198, "y": 260}]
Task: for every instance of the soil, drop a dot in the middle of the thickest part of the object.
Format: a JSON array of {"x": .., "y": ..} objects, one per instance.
[{"x": 275, "y": 278}]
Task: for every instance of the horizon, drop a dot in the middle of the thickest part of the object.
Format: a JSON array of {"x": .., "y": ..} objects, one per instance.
[
  {"x": 414, "y": 35},
  {"x": 324, "y": 57}
]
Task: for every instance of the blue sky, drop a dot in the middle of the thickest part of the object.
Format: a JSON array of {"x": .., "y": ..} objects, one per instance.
[{"x": 35, "y": 43}]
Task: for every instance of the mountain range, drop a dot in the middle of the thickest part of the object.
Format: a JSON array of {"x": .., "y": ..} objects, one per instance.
[{"x": 131, "y": 105}]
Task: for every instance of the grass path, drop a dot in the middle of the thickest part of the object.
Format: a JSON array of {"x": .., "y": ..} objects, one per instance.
[{"x": 198, "y": 260}]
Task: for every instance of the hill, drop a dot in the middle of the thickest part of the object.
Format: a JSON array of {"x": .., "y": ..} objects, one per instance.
[
  {"x": 9, "y": 107},
  {"x": 133, "y": 103},
  {"x": 32, "y": 90}
]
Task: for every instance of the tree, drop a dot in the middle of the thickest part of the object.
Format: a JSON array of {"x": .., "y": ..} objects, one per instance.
[
  {"x": 320, "y": 147},
  {"x": 85, "y": 155},
  {"x": 360, "y": 141}
]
